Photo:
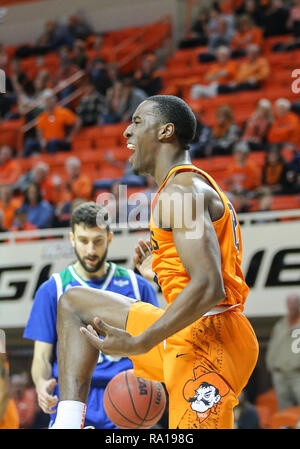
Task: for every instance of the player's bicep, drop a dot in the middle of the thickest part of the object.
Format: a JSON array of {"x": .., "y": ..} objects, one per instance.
[{"x": 199, "y": 252}]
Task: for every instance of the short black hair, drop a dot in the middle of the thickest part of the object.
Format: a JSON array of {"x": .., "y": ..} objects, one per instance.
[
  {"x": 91, "y": 215},
  {"x": 172, "y": 109}
]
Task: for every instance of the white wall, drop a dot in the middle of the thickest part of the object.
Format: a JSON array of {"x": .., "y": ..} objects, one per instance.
[{"x": 25, "y": 22}]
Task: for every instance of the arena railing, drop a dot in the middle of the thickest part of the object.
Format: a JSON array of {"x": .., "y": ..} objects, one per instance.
[{"x": 246, "y": 220}]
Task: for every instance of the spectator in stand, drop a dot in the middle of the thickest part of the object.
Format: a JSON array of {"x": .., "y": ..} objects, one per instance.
[
  {"x": 8, "y": 101},
  {"x": 285, "y": 128},
  {"x": 251, "y": 73},
  {"x": 247, "y": 33},
  {"x": 91, "y": 107},
  {"x": 221, "y": 36},
  {"x": 254, "y": 10},
  {"x": 293, "y": 23},
  {"x": 66, "y": 70},
  {"x": 79, "y": 57},
  {"x": 21, "y": 222},
  {"x": 198, "y": 33},
  {"x": 78, "y": 26},
  {"x": 51, "y": 129},
  {"x": 10, "y": 168},
  {"x": 55, "y": 36},
  {"x": 242, "y": 176},
  {"x": 122, "y": 100},
  {"x": 292, "y": 178},
  {"x": 222, "y": 72},
  {"x": 145, "y": 78},
  {"x": 25, "y": 399},
  {"x": 282, "y": 362},
  {"x": 33, "y": 104},
  {"x": 274, "y": 170},
  {"x": 258, "y": 125},
  {"x": 39, "y": 174},
  {"x": 8, "y": 205},
  {"x": 77, "y": 185},
  {"x": 275, "y": 18},
  {"x": 199, "y": 147},
  {"x": 112, "y": 113},
  {"x": 225, "y": 133},
  {"x": 39, "y": 211},
  {"x": 131, "y": 97},
  {"x": 98, "y": 75}
]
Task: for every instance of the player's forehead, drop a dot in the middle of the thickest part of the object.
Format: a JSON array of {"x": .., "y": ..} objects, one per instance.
[
  {"x": 83, "y": 231},
  {"x": 146, "y": 109}
]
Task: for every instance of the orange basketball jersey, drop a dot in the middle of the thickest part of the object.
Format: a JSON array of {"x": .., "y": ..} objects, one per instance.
[{"x": 167, "y": 265}]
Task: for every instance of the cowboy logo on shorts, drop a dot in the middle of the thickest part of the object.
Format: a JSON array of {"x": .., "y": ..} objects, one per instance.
[{"x": 205, "y": 392}]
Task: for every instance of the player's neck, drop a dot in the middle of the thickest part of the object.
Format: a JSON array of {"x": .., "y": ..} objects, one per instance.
[
  {"x": 166, "y": 162},
  {"x": 87, "y": 276}
]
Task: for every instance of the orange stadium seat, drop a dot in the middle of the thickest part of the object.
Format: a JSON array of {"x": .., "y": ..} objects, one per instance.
[
  {"x": 80, "y": 144},
  {"x": 264, "y": 416},
  {"x": 269, "y": 400},
  {"x": 11, "y": 134},
  {"x": 109, "y": 171},
  {"x": 121, "y": 154},
  {"x": 285, "y": 418},
  {"x": 283, "y": 202}
]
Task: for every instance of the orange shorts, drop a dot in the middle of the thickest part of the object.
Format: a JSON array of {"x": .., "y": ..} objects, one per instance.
[{"x": 204, "y": 367}]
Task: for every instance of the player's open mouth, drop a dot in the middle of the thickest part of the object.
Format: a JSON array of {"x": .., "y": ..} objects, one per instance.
[{"x": 131, "y": 147}]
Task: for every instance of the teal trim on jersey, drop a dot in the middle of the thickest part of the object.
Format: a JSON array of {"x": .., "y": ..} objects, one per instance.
[
  {"x": 121, "y": 272},
  {"x": 66, "y": 277},
  {"x": 108, "y": 278}
]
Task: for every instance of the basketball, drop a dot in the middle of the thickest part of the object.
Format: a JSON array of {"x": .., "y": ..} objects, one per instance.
[{"x": 132, "y": 402}]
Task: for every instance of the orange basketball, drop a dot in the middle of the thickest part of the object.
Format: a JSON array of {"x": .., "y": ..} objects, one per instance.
[{"x": 133, "y": 402}]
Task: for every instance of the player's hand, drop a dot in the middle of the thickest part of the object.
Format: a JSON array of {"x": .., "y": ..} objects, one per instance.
[
  {"x": 116, "y": 342},
  {"x": 143, "y": 259},
  {"x": 45, "y": 400}
]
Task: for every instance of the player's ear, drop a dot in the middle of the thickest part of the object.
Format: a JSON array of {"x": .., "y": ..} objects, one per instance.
[
  {"x": 166, "y": 131},
  {"x": 71, "y": 235},
  {"x": 110, "y": 236}
]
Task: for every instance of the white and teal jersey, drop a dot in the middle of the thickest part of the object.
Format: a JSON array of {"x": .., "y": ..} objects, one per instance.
[{"x": 41, "y": 326}]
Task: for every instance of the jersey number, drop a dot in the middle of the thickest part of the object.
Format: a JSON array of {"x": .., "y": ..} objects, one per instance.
[
  {"x": 154, "y": 244},
  {"x": 234, "y": 226}
]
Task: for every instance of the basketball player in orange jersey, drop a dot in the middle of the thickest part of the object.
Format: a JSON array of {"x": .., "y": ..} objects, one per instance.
[{"x": 201, "y": 346}]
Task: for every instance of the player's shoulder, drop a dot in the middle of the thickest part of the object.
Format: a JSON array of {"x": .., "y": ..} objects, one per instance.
[
  {"x": 46, "y": 290},
  {"x": 56, "y": 279},
  {"x": 188, "y": 181}
]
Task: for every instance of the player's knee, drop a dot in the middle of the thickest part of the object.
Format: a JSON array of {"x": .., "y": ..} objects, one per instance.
[{"x": 67, "y": 302}]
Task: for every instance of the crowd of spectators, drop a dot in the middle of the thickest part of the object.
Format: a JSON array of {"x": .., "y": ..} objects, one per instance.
[{"x": 39, "y": 199}]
